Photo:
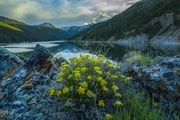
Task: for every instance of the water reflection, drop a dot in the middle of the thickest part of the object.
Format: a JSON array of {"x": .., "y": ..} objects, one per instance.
[
  {"x": 28, "y": 47},
  {"x": 114, "y": 50}
]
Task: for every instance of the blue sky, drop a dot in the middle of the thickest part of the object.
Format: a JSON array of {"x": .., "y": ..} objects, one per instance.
[{"x": 60, "y": 12}]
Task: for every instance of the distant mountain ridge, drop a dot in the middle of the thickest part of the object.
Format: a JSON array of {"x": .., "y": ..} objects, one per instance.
[
  {"x": 149, "y": 17},
  {"x": 72, "y": 30},
  {"x": 48, "y": 25},
  {"x": 15, "y": 31}
]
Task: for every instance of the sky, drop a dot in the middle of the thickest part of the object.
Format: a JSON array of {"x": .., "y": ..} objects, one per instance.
[{"x": 60, "y": 13}]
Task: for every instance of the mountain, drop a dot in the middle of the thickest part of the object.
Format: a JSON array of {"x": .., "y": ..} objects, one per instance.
[
  {"x": 47, "y": 25},
  {"x": 101, "y": 17},
  {"x": 16, "y": 31},
  {"x": 72, "y": 30},
  {"x": 149, "y": 17}
]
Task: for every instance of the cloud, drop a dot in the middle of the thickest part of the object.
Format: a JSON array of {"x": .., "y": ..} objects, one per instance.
[{"x": 60, "y": 12}]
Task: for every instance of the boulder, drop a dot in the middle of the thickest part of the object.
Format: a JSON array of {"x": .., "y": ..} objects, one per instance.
[
  {"x": 26, "y": 91},
  {"x": 161, "y": 79},
  {"x": 9, "y": 63},
  {"x": 40, "y": 59}
]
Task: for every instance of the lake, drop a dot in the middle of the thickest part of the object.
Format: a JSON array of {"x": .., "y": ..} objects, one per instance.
[{"x": 112, "y": 50}]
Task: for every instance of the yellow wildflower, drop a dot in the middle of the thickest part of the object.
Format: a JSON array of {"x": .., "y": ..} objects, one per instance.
[
  {"x": 65, "y": 90},
  {"x": 96, "y": 61},
  {"x": 89, "y": 93},
  {"x": 116, "y": 67},
  {"x": 65, "y": 66},
  {"x": 77, "y": 69},
  {"x": 89, "y": 77},
  {"x": 114, "y": 77},
  {"x": 99, "y": 79},
  {"x": 51, "y": 92},
  {"x": 108, "y": 117},
  {"x": 85, "y": 57},
  {"x": 63, "y": 63},
  {"x": 83, "y": 69},
  {"x": 101, "y": 56},
  {"x": 108, "y": 73},
  {"x": 59, "y": 80},
  {"x": 97, "y": 68},
  {"x": 105, "y": 88},
  {"x": 110, "y": 65},
  {"x": 72, "y": 59},
  {"x": 118, "y": 103},
  {"x": 77, "y": 60},
  {"x": 64, "y": 69},
  {"x": 77, "y": 75},
  {"x": 103, "y": 83},
  {"x": 81, "y": 90},
  {"x": 115, "y": 88},
  {"x": 99, "y": 72},
  {"x": 84, "y": 84},
  {"x": 70, "y": 76},
  {"x": 58, "y": 93},
  {"x": 61, "y": 74},
  {"x": 123, "y": 77},
  {"x": 128, "y": 79},
  {"x": 118, "y": 95},
  {"x": 101, "y": 103}
]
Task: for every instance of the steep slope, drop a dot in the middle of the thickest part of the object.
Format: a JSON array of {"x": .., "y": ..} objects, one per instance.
[
  {"x": 72, "y": 30},
  {"x": 15, "y": 31},
  {"x": 137, "y": 19},
  {"x": 101, "y": 17}
]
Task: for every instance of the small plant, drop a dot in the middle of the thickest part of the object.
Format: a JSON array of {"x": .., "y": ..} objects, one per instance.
[
  {"x": 138, "y": 106},
  {"x": 143, "y": 59},
  {"x": 89, "y": 82}
]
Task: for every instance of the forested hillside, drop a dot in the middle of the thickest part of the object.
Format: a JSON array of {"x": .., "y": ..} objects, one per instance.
[
  {"x": 135, "y": 20},
  {"x": 15, "y": 31}
]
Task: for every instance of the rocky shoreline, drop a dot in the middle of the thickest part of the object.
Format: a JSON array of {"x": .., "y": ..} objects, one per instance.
[{"x": 24, "y": 83}]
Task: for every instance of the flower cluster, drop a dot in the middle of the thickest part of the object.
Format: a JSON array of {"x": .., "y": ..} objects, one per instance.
[{"x": 91, "y": 81}]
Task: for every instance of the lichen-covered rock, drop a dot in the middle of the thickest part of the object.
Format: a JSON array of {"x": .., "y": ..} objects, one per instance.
[
  {"x": 9, "y": 63},
  {"x": 40, "y": 59},
  {"x": 3, "y": 115},
  {"x": 26, "y": 91},
  {"x": 160, "y": 79}
]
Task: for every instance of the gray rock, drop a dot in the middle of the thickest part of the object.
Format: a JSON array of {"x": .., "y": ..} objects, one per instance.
[
  {"x": 39, "y": 55},
  {"x": 157, "y": 60},
  {"x": 161, "y": 79},
  {"x": 38, "y": 69},
  {"x": 168, "y": 75},
  {"x": 4, "y": 54},
  {"x": 30, "y": 114},
  {"x": 19, "y": 103},
  {"x": 9, "y": 63}
]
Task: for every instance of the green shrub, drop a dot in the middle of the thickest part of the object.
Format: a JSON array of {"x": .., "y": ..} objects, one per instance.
[
  {"x": 89, "y": 82},
  {"x": 143, "y": 59}
]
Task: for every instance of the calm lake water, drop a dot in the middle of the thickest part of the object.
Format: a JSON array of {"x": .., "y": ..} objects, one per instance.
[{"x": 112, "y": 50}]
